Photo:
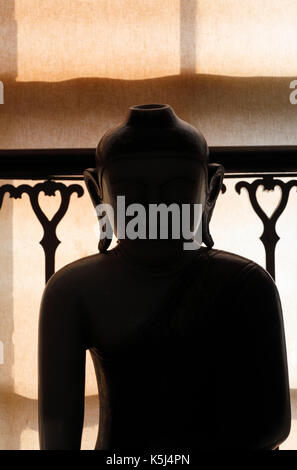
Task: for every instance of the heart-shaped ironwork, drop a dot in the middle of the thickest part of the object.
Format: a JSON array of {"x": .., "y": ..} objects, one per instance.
[
  {"x": 49, "y": 240},
  {"x": 269, "y": 236}
]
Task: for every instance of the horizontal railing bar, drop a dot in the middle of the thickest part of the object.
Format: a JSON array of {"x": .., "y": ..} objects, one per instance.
[
  {"x": 226, "y": 175},
  {"x": 283, "y": 174},
  {"x": 70, "y": 163}
]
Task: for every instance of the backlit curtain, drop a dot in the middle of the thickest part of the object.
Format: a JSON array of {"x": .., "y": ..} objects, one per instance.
[{"x": 70, "y": 70}]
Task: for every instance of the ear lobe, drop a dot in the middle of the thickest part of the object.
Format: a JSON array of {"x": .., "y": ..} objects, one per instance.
[
  {"x": 92, "y": 184},
  {"x": 215, "y": 180}
]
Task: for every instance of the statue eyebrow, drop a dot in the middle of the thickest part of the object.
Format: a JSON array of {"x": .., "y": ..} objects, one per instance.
[
  {"x": 161, "y": 185},
  {"x": 179, "y": 178},
  {"x": 127, "y": 180}
]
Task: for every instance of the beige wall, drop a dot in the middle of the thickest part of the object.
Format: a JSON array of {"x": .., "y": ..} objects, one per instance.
[
  {"x": 228, "y": 110},
  {"x": 71, "y": 70}
]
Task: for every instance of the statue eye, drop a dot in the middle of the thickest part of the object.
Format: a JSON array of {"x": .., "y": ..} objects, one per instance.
[
  {"x": 179, "y": 190},
  {"x": 133, "y": 191}
]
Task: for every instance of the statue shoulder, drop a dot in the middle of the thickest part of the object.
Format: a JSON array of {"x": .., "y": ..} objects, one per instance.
[
  {"x": 234, "y": 273},
  {"x": 232, "y": 265},
  {"x": 74, "y": 278},
  {"x": 248, "y": 282},
  {"x": 66, "y": 297}
]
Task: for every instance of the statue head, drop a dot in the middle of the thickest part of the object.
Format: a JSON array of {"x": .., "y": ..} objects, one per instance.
[{"x": 154, "y": 157}]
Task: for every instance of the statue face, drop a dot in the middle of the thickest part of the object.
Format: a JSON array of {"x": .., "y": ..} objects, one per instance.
[{"x": 154, "y": 181}]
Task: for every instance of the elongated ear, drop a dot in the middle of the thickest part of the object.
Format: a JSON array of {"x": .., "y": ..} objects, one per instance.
[
  {"x": 95, "y": 192},
  {"x": 92, "y": 184},
  {"x": 215, "y": 180}
]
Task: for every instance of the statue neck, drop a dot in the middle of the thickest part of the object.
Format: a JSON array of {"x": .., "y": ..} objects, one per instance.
[{"x": 147, "y": 258}]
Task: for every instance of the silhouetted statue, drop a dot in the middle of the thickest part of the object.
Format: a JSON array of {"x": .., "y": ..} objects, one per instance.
[{"x": 188, "y": 345}]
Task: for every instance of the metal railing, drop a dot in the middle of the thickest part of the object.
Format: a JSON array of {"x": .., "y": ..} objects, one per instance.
[{"x": 267, "y": 164}]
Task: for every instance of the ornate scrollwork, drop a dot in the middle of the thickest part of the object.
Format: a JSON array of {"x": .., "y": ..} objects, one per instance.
[
  {"x": 269, "y": 237},
  {"x": 49, "y": 240}
]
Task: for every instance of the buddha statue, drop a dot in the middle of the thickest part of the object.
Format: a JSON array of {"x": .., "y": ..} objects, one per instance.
[{"x": 188, "y": 345}]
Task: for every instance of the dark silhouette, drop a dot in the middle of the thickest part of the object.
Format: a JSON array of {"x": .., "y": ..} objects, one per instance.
[{"x": 188, "y": 346}]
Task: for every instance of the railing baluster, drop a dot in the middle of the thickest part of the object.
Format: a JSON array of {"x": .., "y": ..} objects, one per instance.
[
  {"x": 49, "y": 240},
  {"x": 269, "y": 237}
]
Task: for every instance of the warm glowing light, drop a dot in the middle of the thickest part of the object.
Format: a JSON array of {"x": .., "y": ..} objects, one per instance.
[
  {"x": 131, "y": 40},
  {"x": 247, "y": 37},
  {"x": 90, "y": 38}
]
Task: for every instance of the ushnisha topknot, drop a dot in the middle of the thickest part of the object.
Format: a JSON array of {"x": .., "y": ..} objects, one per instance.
[{"x": 151, "y": 130}]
